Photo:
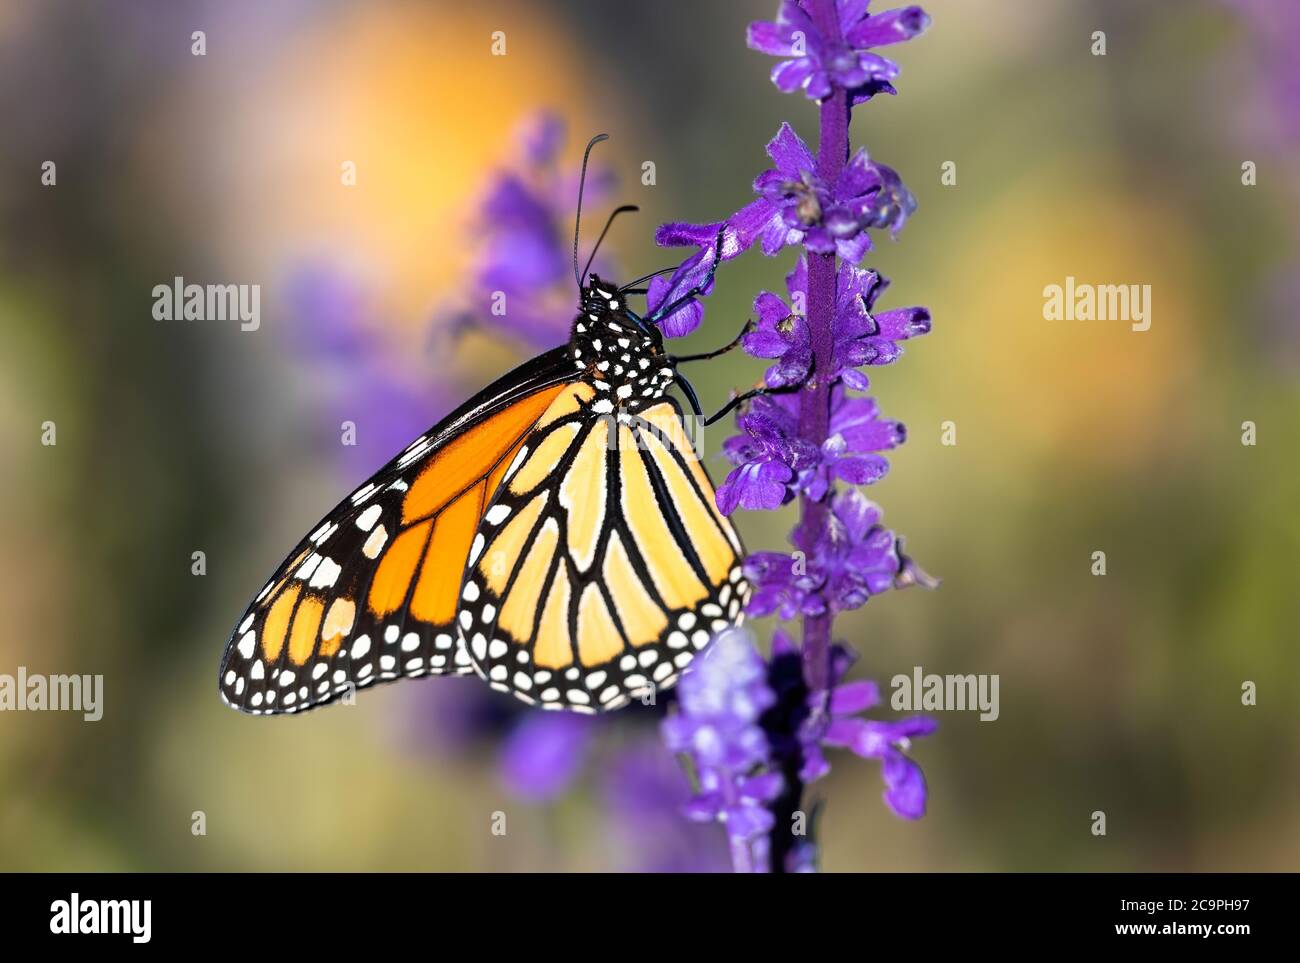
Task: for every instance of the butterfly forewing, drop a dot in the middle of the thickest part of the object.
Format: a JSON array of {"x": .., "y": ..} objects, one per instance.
[
  {"x": 602, "y": 565},
  {"x": 372, "y": 594}
]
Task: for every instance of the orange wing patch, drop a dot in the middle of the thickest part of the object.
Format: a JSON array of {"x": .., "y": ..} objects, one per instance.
[
  {"x": 471, "y": 456},
  {"x": 438, "y": 591},
  {"x": 396, "y": 568}
]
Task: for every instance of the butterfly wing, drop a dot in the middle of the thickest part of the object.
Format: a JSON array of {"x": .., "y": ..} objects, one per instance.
[
  {"x": 371, "y": 594},
  {"x": 602, "y": 565}
]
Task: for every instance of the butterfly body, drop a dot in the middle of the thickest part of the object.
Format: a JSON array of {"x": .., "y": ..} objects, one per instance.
[{"x": 557, "y": 535}]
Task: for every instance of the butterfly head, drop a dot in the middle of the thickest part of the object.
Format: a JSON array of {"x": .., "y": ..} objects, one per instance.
[{"x": 622, "y": 354}]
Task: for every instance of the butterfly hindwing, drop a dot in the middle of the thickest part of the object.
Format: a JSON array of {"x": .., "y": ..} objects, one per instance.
[
  {"x": 372, "y": 594},
  {"x": 602, "y": 565}
]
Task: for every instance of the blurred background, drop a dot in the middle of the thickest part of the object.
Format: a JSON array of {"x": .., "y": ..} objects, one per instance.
[{"x": 1119, "y": 693}]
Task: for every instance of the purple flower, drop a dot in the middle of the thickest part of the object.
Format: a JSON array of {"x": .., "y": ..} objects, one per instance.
[
  {"x": 859, "y": 337},
  {"x": 781, "y": 333},
  {"x": 720, "y": 700},
  {"x": 644, "y": 793},
  {"x": 905, "y": 790},
  {"x": 716, "y": 242},
  {"x": 796, "y": 206},
  {"x": 819, "y": 63},
  {"x": 893, "y": 204},
  {"x": 774, "y": 463},
  {"x": 545, "y": 753},
  {"x": 524, "y": 282},
  {"x": 838, "y": 568},
  {"x": 769, "y": 457},
  {"x": 804, "y": 723}
]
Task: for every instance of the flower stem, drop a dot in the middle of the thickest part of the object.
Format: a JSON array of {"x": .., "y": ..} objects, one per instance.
[{"x": 815, "y": 404}]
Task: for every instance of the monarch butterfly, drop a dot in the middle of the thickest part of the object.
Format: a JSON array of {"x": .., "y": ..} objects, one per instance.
[{"x": 557, "y": 535}]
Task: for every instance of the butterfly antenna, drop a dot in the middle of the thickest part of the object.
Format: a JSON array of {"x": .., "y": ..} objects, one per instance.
[
  {"x": 577, "y": 218},
  {"x": 647, "y": 277},
  {"x": 617, "y": 211}
]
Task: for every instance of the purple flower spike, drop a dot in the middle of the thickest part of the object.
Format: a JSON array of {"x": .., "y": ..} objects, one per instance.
[
  {"x": 819, "y": 63},
  {"x": 810, "y": 436}
]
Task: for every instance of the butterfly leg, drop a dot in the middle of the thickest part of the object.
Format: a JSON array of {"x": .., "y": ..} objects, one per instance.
[{"x": 740, "y": 399}]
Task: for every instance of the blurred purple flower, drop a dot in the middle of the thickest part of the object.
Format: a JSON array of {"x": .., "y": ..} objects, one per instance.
[
  {"x": 720, "y": 699},
  {"x": 645, "y": 793},
  {"x": 820, "y": 63},
  {"x": 524, "y": 283},
  {"x": 331, "y": 327},
  {"x": 457, "y": 716},
  {"x": 545, "y": 753},
  {"x": 330, "y": 315},
  {"x": 1275, "y": 57}
]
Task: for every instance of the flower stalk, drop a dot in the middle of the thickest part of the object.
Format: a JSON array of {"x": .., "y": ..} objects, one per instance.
[{"x": 815, "y": 404}]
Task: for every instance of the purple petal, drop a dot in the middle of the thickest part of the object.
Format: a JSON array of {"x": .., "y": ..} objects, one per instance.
[
  {"x": 853, "y": 249},
  {"x": 790, "y": 154},
  {"x": 746, "y": 822},
  {"x": 888, "y": 26},
  {"x": 905, "y": 791},
  {"x": 853, "y": 697},
  {"x": 765, "y": 344},
  {"x": 750, "y": 221},
  {"x": 790, "y": 75},
  {"x": 818, "y": 86},
  {"x": 769, "y": 38},
  {"x": 680, "y": 234},
  {"x": 903, "y": 323},
  {"x": 850, "y": 12}
]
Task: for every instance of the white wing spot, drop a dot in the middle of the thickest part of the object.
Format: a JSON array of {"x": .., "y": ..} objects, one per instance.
[
  {"x": 366, "y": 520},
  {"x": 375, "y": 542},
  {"x": 327, "y": 573}
]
